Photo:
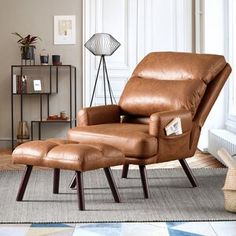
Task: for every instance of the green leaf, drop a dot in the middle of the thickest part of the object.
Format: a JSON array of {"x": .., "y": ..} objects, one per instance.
[{"x": 17, "y": 34}]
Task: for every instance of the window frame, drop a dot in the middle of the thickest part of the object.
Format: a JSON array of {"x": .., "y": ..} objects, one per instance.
[{"x": 230, "y": 46}]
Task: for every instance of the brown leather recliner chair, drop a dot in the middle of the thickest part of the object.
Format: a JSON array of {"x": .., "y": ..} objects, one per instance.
[{"x": 164, "y": 85}]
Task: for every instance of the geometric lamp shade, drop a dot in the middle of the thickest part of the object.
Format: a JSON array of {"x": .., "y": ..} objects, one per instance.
[{"x": 102, "y": 44}]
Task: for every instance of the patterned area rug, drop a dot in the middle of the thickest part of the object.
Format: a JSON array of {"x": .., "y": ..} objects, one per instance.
[{"x": 172, "y": 198}]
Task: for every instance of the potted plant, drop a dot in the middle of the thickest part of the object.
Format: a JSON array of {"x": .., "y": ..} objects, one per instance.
[{"x": 27, "y": 45}]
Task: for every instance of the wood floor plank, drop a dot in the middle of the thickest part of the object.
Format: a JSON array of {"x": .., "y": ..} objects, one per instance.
[{"x": 199, "y": 160}]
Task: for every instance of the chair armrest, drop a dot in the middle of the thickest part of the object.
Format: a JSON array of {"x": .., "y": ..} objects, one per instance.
[
  {"x": 159, "y": 120},
  {"x": 98, "y": 115}
]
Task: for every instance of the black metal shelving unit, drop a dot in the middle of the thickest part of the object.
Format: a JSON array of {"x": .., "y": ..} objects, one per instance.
[{"x": 72, "y": 83}]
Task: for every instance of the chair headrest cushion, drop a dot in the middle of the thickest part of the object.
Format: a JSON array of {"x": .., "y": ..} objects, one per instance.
[
  {"x": 180, "y": 66},
  {"x": 165, "y": 81}
]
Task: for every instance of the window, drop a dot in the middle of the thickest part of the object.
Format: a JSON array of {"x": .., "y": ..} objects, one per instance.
[{"x": 231, "y": 116}]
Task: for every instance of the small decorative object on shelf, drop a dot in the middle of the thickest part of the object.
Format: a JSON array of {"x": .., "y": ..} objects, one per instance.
[
  {"x": 44, "y": 57},
  {"x": 63, "y": 116},
  {"x": 27, "y": 47},
  {"x": 37, "y": 85},
  {"x": 56, "y": 60},
  {"x": 20, "y": 84},
  {"x": 22, "y": 132}
]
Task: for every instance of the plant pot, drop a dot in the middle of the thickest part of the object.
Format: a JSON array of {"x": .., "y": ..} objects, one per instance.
[
  {"x": 56, "y": 60},
  {"x": 27, "y": 53}
]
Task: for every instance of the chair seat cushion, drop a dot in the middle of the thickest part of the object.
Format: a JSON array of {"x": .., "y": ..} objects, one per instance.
[{"x": 132, "y": 139}]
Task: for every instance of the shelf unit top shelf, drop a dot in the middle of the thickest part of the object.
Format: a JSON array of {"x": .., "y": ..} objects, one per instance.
[
  {"x": 34, "y": 93},
  {"x": 45, "y": 66}
]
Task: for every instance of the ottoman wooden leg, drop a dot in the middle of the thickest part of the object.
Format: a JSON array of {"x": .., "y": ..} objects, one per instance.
[
  {"x": 80, "y": 190},
  {"x": 24, "y": 182},
  {"x": 112, "y": 184},
  {"x": 73, "y": 182},
  {"x": 125, "y": 171},
  {"x": 56, "y": 180},
  {"x": 143, "y": 174}
]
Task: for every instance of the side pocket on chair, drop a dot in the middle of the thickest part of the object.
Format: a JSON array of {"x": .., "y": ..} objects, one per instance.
[{"x": 174, "y": 147}]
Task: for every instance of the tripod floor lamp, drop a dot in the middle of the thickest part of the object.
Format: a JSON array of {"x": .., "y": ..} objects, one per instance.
[{"x": 102, "y": 44}]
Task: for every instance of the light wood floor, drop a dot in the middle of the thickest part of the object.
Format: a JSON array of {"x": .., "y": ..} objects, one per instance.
[{"x": 200, "y": 160}]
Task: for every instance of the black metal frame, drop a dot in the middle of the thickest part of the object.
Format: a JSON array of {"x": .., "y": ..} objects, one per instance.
[{"x": 72, "y": 73}]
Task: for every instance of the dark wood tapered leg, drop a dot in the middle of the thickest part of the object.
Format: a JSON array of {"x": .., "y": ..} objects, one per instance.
[
  {"x": 24, "y": 182},
  {"x": 73, "y": 182},
  {"x": 143, "y": 174},
  {"x": 125, "y": 171},
  {"x": 112, "y": 184},
  {"x": 80, "y": 190},
  {"x": 56, "y": 180},
  {"x": 188, "y": 172}
]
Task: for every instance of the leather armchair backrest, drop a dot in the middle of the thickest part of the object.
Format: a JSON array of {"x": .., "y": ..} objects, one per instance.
[
  {"x": 165, "y": 81},
  {"x": 210, "y": 96}
]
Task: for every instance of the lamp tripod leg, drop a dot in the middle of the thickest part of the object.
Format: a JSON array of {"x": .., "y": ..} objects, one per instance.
[
  {"x": 108, "y": 83},
  {"x": 104, "y": 79},
  {"x": 95, "y": 84}
]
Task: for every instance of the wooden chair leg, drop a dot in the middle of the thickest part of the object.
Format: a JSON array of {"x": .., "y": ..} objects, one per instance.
[
  {"x": 24, "y": 182},
  {"x": 56, "y": 180},
  {"x": 112, "y": 184},
  {"x": 73, "y": 182},
  {"x": 143, "y": 174},
  {"x": 80, "y": 190},
  {"x": 188, "y": 172},
  {"x": 125, "y": 171}
]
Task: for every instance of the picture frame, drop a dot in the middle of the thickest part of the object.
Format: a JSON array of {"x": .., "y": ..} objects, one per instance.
[
  {"x": 65, "y": 29},
  {"x": 37, "y": 85}
]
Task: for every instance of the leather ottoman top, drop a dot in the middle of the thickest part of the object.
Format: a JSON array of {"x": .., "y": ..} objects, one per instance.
[{"x": 64, "y": 154}]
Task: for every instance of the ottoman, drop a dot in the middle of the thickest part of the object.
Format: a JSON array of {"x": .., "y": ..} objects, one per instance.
[{"x": 68, "y": 155}]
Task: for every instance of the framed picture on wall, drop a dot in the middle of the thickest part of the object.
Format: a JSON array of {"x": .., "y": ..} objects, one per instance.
[{"x": 64, "y": 29}]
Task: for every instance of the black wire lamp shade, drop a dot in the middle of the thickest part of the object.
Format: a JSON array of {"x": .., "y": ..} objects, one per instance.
[{"x": 102, "y": 44}]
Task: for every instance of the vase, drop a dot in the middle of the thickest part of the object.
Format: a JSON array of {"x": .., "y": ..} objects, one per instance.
[{"x": 23, "y": 130}]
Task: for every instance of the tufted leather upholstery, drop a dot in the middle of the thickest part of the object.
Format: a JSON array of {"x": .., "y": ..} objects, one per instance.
[
  {"x": 164, "y": 85},
  {"x": 64, "y": 154}
]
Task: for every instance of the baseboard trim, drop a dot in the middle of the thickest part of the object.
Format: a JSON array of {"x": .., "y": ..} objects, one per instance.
[{"x": 5, "y": 143}]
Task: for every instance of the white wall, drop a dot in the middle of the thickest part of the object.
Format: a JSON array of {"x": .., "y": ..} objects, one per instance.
[
  {"x": 35, "y": 17},
  {"x": 141, "y": 27}
]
